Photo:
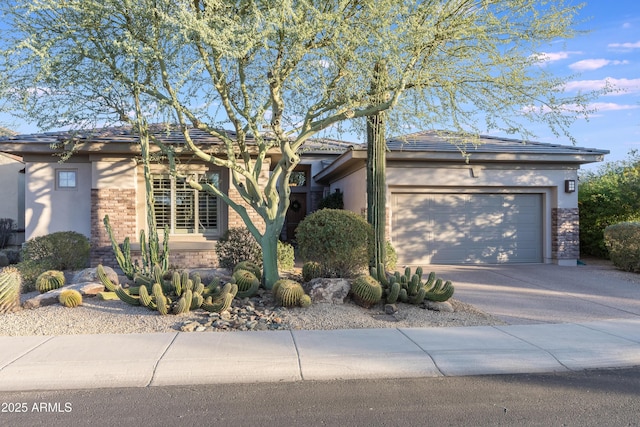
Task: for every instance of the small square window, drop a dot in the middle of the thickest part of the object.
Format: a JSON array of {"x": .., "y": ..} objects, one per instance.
[{"x": 66, "y": 179}]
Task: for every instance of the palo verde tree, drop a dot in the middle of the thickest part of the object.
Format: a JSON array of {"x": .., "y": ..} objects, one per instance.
[{"x": 264, "y": 76}]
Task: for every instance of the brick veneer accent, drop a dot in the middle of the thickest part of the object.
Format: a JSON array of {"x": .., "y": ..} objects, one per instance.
[
  {"x": 565, "y": 233},
  {"x": 120, "y": 205}
]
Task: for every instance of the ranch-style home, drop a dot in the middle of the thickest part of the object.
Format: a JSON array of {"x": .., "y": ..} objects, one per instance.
[{"x": 509, "y": 202}]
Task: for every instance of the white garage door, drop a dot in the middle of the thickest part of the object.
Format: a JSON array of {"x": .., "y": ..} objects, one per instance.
[{"x": 467, "y": 228}]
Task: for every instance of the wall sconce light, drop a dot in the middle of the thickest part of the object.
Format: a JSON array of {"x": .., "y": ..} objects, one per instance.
[{"x": 569, "y": 185}]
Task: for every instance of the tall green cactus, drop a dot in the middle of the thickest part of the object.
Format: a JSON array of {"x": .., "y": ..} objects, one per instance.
[{"x": 10, "y": 281}]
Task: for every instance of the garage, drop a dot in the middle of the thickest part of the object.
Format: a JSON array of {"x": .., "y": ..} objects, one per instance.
[{"x": 467, "y": 228}]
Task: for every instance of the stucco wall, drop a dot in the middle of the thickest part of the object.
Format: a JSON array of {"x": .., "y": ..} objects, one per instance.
[
  {"x": 354, "y": 190},
  {"x": 10, "y": 193},
  {"x": 48, "y": 209}
]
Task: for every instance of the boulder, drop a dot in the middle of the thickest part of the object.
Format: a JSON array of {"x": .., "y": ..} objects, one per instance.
[
  {"x": 324, "y": 290},
  {"x": 439, "y": 306},
  {"x": 51, "y": 297},
  {"x": 89, "y": 275}
]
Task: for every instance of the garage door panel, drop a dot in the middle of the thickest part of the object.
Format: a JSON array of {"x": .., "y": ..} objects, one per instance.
[{"x": 467, "y": 228}]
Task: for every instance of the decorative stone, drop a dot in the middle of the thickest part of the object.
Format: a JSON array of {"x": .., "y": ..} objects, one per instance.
[
  {"x": 51, "y": 297},
  {"x": 89, "y": 275},
  {"x": 334, "y": 291},
  {"x": 190, "y": 326},
  {"x": 390, "y": 308},
  {"x": 439, "y": 306}
]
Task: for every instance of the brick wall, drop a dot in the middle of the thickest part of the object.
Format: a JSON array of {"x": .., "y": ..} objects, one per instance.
[
  {"x": 565, "y": 233},
  {"x": 120, "y": 205}
]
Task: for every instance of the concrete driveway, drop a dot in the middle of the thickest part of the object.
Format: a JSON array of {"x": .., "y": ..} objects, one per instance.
[{"x": 546, "y": 293}]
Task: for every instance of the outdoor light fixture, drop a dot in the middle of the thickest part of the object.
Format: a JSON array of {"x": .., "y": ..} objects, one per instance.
[{"x": 569, "y": 185}]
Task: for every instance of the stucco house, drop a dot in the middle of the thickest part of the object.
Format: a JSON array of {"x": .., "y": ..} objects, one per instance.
[
  {"x": 511, "y": 202},
  {"x": 12, "y": 193}
]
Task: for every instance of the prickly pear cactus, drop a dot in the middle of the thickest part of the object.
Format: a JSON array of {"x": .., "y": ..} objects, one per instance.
[
  {"x": 50, "y": 280},
  {"x": 366, "y": 290},
  {"x": 10, "y": 281},
  {"x": 70, "y": 298}
]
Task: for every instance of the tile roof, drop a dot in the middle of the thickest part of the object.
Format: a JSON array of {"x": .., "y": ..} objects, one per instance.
[{"x": 442, "y": 141}]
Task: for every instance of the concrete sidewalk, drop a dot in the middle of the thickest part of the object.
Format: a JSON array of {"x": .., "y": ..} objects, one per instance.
[{"x": 142, "y": 360}]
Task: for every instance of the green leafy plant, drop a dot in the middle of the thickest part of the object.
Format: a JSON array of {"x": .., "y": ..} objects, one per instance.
[
  {"x": 337, "y": 239},
  {"x": 608, "y": 196},
  {"x": 286, "y": 256},
  {"x": 7, "y": 228},
  {"x": 10, "y": 282},
  {"x": 236, "y": 245},
  {"x": 334, "y": 200},
  {"x": 64, "y": 250},
  {"x": 70, "y": 298},
  {"x": 623, "y": 242},
  {"x": 50, "y": 280}
]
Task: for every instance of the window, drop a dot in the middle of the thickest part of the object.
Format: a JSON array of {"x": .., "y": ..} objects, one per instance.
[
  {"x": 183, "y": 209},
  {"x": 66, "y": 179}
]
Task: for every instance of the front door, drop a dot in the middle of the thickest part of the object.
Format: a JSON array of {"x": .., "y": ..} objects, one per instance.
[{"x": 296, "y": 213}]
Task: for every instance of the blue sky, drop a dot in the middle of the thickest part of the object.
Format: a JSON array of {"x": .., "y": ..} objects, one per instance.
[{"x": 609, "y": 51}]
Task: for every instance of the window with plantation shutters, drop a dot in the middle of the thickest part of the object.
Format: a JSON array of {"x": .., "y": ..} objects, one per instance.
[{"x": 183, "y": 209}]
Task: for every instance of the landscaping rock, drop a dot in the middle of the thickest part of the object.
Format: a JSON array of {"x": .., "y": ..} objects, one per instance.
[
  {"x": 89, "y": 275},
  {"x": 439, "y": 306},
  {"x": 334, "y": 291},
  {"x": 390, "y": 308},
  {"x": 51, "y": 297}
]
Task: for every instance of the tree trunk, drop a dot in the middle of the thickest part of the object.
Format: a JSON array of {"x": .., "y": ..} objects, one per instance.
[
  {"x": 376, "y": 170},
  {"x": 269, "y": 245}
]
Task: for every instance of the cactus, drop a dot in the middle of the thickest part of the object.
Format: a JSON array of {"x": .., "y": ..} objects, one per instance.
[
  {"x": 197, "y": 300},
  {"x": 106, "y": 282},
  {"x": 366, "y": 290},
  {"x": 107, "y": 296},
  {"x": 70, "y": 298},
  {"x": 247, "y": 282},
  {"x": 10, "y": 281},
  {"x": 250, "y": 266},
  {"x": 311, "y": 270},
  {"x": 223, "y": 299},
  {"x": 393, "y": 293},
  {"x": 305, "y": 301},
  {"x": 161, "y": 300},
  {"x": 184, "y": 303},
  {"x": 126, "y": 297},
  {"x": 145, "y": 298},
  {"x": 440, "y": 292},
  {"x": 50, "y": 280},
  {"x": 288, "y": 292}
]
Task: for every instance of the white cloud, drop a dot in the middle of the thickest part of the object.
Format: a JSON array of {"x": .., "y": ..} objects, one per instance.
[
  {"x": 556, "y": 56},
  {"x": 635, "y": 45},
  {"x": 594, "y": 64},
  {"x": 597, "y": 107},
  {"x": 620, "y": 86},
  {"x": 627, "y": 25}
]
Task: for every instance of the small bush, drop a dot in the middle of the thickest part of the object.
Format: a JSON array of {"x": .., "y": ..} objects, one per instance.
[
  {"x": 238, "y": 244},
  {"x": 392, "y": 257},
  {"x": 623, "y": 242},
  {"x": 332, "y": 201},
  {"x": 7, "y": 228},
  {"x": 286, "y": 256},
  {"x": 337, "y": 239},
  {"x": 64, "y": 250}
]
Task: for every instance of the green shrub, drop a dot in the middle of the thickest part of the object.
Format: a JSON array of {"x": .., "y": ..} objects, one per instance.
[
  {"x": 392, "y": 257},
  {"x": 286, "y": 256},
  {"x": 337, "y": 239},
  {"x": 610, "y": 195},
  {"x": 238, "y": 244},
  {"x": 7, "y": 228},
  {"x": 332, "y": 201},
  {"x": 64, "y": 250},
  {"x": 623, "y": 242}
]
